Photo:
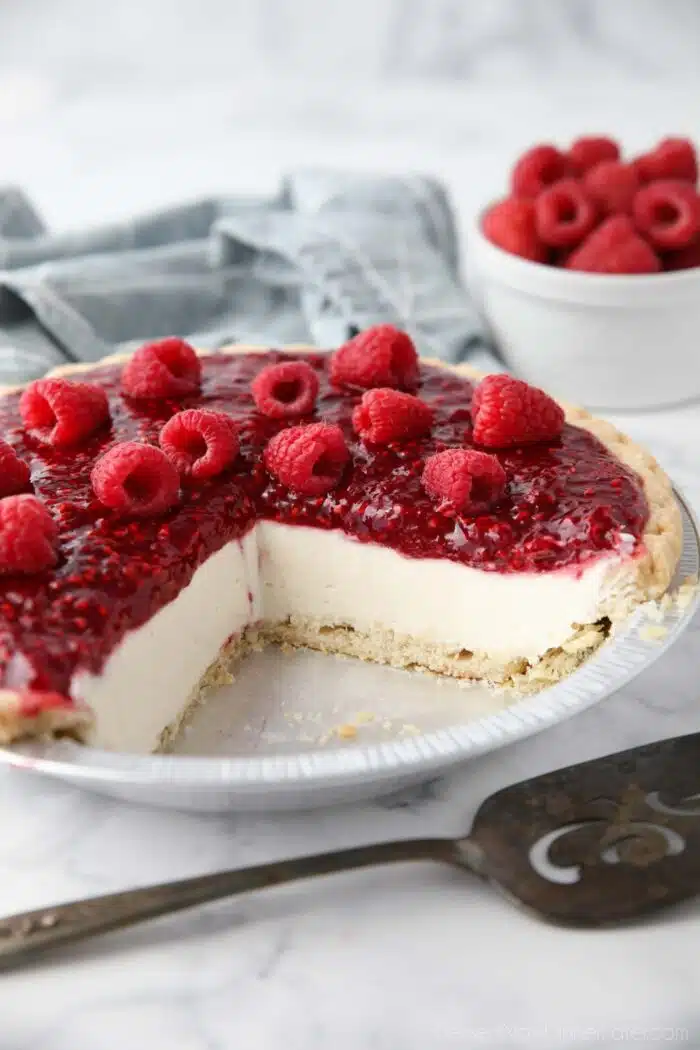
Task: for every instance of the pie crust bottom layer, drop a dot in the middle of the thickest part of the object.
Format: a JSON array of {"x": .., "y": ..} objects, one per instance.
[{"x": 383, "y": 646}]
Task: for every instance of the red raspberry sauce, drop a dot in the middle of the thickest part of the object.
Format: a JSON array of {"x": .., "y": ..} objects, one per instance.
[{"x": 566, "y": 502}]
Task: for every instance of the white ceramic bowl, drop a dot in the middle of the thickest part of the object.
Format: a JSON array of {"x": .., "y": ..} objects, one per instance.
[{"x": 604, "y": 341}]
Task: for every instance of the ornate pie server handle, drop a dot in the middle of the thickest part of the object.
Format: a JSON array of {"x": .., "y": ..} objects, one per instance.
[{"x": 23, "y": 935}]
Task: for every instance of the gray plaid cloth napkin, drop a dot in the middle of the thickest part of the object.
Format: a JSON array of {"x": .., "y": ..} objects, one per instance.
[{"x": 330, "y": 255}]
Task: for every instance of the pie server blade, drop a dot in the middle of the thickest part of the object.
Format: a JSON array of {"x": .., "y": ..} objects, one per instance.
[{"x": 602, "y": 842}]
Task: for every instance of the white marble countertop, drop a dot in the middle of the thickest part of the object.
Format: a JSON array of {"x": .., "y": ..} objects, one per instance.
[{"x": 409, "y": 959}]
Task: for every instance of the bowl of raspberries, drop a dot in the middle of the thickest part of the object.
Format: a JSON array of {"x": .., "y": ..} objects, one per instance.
[{"x": 588, "y": 272}]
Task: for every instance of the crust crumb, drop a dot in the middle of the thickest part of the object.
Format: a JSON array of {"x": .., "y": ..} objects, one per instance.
[
  {"x": 652, "y": 632},
  {"x": 686, "y": 592}
]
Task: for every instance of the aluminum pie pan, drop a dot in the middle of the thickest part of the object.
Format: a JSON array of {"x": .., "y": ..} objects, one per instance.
[{"x": 296, "y": 777}]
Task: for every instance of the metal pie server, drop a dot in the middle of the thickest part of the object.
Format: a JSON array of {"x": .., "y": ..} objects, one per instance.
[{"x": 590, "y": 845}]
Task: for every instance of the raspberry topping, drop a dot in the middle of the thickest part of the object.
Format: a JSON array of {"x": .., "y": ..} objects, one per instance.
[
  {"x": 508, "y": 412},
  {"x": 167, "y": 368},
  {"x": 673, "y": 158},
  {"x": 537, "y": 169},
  {"x": 308, "y": 458},
  {"x": 614, "y": 247},
  {"x": 285, "y": 390},
  {"x": 612, "y": 185},
  {"x": 379, "y": 356},
  {"x": 31, "y": 705},
  {"x": 135, "y": 480},
  {"x": 199, "y": 443},
  {"x": 14, "y": 472},
  {"x": 27, "y": 535},
  {"x": 463, "y": 481},
  {"x": 587, "y": 152},
  {"x": 564, "y": 214},
  {"x": 668, "y": 213},
  {"x": 386, "y": 415},
  {"x": 510, "y": 225},
  {"x": 63, "y": 412}
]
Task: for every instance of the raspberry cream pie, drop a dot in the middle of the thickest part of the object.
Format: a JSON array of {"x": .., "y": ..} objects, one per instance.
[{"x": 160, "y": 513}]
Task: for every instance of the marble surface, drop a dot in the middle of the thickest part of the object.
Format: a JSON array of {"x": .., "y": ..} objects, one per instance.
[{"x": 94, "y": 126}]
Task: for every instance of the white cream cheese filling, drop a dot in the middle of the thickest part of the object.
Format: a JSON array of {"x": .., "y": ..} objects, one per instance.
[
  {"x": 146, "y": 681},
  {"x": 278, "y": 571}
]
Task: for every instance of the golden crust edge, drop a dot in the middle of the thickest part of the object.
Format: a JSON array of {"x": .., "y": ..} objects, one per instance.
[
  {"x": 662, "y": 537},
  {"x": 74, "y": 722}
]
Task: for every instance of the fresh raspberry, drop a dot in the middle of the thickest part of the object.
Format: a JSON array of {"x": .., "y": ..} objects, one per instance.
[
  {"x": 285, "y": 390},
  {"x": 510, "y": 225},
  {"x": 14, "y": 472},
  {"x": 168, "y": 368},
  {"x": 507, "y": 411},
  {"x": 668, "y": 213},
  {"x": 684, "y": 259},
  {"x": 379, "y": 356},
  {"x": 463, "y": 480},
  {"x": 135, "y": 480},
  {"x": 672, "y": 159},
  {"x": 200, "y": 443},
  {"x": 537, "y": 169},
  {"x": 564, "y": 214},
  {"x": 386, "y": 415},
  {"x": 28, "y": 535},
  {"x": 587, "y": 152},
  {"x": 308, "y": 458},
  {"x": 63, "y": 412},
  {"x": 614, "y": 247},
  {"x": 612, "y": 185}
]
